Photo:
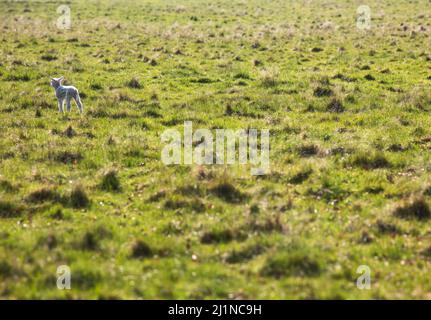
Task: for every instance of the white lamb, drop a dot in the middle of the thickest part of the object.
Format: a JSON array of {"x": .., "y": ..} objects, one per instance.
[{"x": 66, "y": 93}]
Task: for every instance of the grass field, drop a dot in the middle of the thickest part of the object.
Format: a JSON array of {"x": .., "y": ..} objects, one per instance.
[{"x": 350, "y": 134}]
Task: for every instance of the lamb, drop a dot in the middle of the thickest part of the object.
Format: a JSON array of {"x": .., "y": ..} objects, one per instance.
[{"x": 66, "y": 93}]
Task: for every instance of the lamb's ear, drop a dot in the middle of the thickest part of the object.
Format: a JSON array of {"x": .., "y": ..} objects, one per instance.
[{"x": 60, "y": 79}]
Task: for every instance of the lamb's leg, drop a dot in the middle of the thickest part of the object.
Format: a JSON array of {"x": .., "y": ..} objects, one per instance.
[
  {"x": 60, "y": 105},
  {"x": 68, "y": 104},
  {"x": 79, "y": 103}
]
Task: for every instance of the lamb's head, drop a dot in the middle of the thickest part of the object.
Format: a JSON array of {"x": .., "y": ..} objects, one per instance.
[{"x": 56, "y": 82}]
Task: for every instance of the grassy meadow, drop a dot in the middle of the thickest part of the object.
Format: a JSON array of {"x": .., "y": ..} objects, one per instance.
[{"x": 350, "y": 131}]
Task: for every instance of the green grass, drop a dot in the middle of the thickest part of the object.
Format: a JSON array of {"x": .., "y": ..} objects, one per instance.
[{"x": 348, "y": 113}]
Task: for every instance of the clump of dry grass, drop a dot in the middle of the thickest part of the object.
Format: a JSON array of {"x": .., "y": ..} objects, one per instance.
[
  {"x": 269, "y": 77},
  {"x": 417, "y": 98}
]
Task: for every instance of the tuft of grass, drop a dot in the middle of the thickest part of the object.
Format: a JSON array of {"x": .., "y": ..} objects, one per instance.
[
  {"x": 242, "y": 75},
  {"x": 335, "y": 106},
  {"x": 67, "y": 157},
  {"x": 18, "y": 77},
  {"x": 269, "y": 77},
  {"x": 69, "y": 132},
  {"x": 414, "y": 208},
  {"x": 177, "y": 203},
  {"x": 427, "y": 252},
  {"x": 50, "y": 241},
  {"x": 267, "y": 225},
  {"x": 78, "y": 198},
  {"x": 9, "y": 209},
  {"x": 57, "y": 213},
  {"x": 322, "y": 92},
  {"x": 369, "y": 161},
  {"x": 293, "y": 263},
  {"x": 42, "y": 195},
  {"x": 316, "y": 50},
  {"x": 48, "y": 57},
  {"x": 6, "y": 269},
  {"x": 140, "y": 249},
  {"x": 91, "y": 239},
  {"x": 86, "y": 278},
  {"x": 96, "y": 86},
  {"x": 301, "y": 175},
  {"x": 228, "y": 192},
  {"x": 6, "y": 186},
  {"x": 222, "y": 236},
  {"x": 308, "y": 150},
  {"x": 110, "y": 181},
  {"x": 89, "y": 242},
  {"x": 245, "y": 254},
  {"x": 202, "y": 80},
  {"x": 387, "y": 228},
  {"x": 134, "y": 83}
]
